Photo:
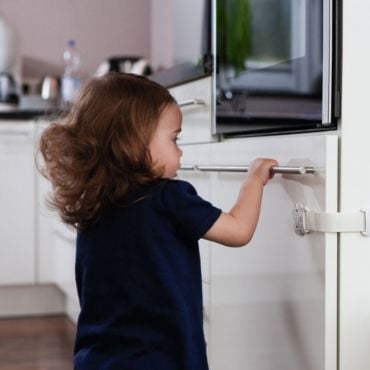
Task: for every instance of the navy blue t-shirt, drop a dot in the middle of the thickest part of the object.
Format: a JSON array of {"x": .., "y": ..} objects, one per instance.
[{"x": 139, "y": 282}]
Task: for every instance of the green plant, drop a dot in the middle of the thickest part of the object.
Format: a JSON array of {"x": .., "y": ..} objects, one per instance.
[{"x": 233, "y": 33}]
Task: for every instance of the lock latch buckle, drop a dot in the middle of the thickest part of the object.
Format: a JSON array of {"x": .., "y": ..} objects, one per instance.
[{"x": 342, "y": 222}]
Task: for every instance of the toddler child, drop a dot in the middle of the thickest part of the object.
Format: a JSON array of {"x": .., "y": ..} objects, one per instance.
[{"x": 112, "y": 162}]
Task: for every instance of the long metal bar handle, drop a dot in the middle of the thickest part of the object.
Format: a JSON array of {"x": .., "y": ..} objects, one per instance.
[
  {"x": 302, "y": 170},
  {"x": 187, "y": 103},
  {"x": 23, "y": 133}
]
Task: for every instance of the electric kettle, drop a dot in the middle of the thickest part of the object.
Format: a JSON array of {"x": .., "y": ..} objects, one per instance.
[
  {"x": 125, "y": 64},
  {"x": 8, "y": 89}
]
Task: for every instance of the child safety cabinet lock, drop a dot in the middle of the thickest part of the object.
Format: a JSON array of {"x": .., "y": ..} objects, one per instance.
[{"x": 346, "y": 222}]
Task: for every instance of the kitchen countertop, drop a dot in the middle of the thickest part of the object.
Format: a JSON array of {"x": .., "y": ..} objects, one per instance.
[
  {"x": 14, "y": 113},
  {"x": 30, "y": 107},
  {"x": 33, "y": 106}
]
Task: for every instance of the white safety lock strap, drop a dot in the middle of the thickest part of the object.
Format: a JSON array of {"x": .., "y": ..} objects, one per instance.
[{"x": 307, "y": 220}]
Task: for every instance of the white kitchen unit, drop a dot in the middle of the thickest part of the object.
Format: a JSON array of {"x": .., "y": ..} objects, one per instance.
[
  {"x": 25, "y": 288},
  {"x": 273, "y": 304},
  {"x": 26, "y": 235},
  {"x": 195, "y": 99},
  {"x": 17, "y": 205},
  {"x": 46, "y": 219},
  {"x": 55, "y": 244},
  {"x": 29, "y": 275},
  {"x": 64, "y": 249},
  {"x": 290, "y": 301}
]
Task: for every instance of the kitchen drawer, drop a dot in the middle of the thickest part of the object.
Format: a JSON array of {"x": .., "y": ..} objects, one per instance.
[
  {"x": 64, "y": 264},
  {"x": 195, "y": 99},
  {"x": 17, "y": 218}
]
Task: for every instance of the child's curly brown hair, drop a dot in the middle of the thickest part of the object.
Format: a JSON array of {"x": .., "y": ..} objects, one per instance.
[{"x": 99, "y": 151}]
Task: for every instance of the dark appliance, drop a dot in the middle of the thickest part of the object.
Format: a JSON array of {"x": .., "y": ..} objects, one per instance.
[
  {"x": 127, "y": 64},
  {"x": 8, "y": 89},
  {"x": 278, "y": 65}
]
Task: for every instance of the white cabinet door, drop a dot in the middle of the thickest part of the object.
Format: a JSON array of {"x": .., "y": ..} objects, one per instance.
[
  {"x": 45, "y": 221},
  {"x": 17, "y": 221},
  {"x": 64, "y": 267},
  {"x": 195, "y": 99},
  {"x": 273, "y": 302}
]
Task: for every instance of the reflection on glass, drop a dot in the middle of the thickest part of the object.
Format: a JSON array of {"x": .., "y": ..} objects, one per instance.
[
  {"x": 270, "y": 30},
  {"x": 269, "y": 62},
  {"x": 188, "y": 45}
]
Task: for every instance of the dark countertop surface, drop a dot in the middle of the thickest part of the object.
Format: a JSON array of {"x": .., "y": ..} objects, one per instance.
[
  {"x": 33, "y": 107},
  {"x": 28, "y": 114}
]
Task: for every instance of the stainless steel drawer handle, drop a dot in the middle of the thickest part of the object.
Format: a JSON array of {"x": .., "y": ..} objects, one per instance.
[
  {"x": 277, "y": 169},
  {"x": 15, "y": 133},
  {"x": 187, "y": 103}
]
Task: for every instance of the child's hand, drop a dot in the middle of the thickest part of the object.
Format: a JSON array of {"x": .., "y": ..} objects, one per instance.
[
  {"x": 260, "y": 170},
  {"x": 236, "y": 227}
]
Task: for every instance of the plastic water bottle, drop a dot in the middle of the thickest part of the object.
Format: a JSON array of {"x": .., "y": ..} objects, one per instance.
[{"x": 70, "y": 79}]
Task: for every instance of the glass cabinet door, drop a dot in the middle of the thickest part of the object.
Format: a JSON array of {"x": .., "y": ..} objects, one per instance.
[{"x": 274, "y": 65}]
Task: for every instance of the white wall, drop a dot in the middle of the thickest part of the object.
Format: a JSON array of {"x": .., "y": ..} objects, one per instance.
[
  {"x": 161, "y": 33},
  {"x": 188, "y": 17},
  {"x": 175, "y": 31},
  {"x": 354, "y": 309},
  {"x": 101, "y": 27}
]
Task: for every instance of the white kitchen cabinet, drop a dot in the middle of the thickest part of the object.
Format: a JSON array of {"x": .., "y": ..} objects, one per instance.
[
  {"x": 64, "y": 267},
  {"x": 55, "y": 244},
  {"x": 195, "y": 99},
  {"x": 27, "y": 234},
  {"x": 17, "y": 210},
  {"x": 273, "y": 303},
  {"x": 299, "y": 302},
  {"x": 46, "y": 219}
]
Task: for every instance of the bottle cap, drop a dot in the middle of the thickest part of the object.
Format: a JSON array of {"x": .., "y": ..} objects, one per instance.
[{"x": 71, "y": 43}]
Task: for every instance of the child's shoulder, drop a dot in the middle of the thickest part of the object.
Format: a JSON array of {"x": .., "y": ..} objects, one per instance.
[
  {"x": 173, "y": 193},
  {"x": 176, "y": 186}
]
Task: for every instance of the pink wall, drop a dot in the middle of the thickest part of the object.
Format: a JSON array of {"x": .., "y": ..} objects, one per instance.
[
  {"x": 162, "y": 33},
  {"x": 101, "y": 28}
]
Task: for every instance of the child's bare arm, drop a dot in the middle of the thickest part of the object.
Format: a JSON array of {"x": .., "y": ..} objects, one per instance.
[{"x": 236, "y": 227}]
